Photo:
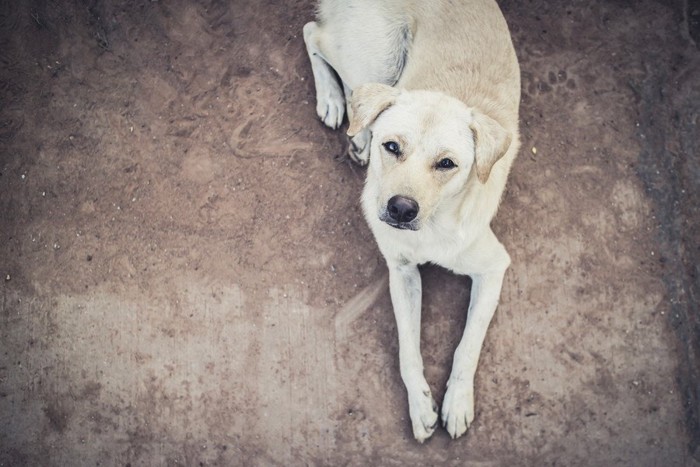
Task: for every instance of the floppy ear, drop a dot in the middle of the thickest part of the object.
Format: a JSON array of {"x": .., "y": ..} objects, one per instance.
[
  {"x": 491, "y": 141},
  {"x": 367, "y": 102}
]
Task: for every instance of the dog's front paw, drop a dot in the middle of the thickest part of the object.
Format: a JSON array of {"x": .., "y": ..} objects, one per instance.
[
  {"x": 330, "y": 106},
  {"x": 424, "y": 414},
  {"x": 458, "y": 408},
  {"x": 358, "y": 150}
]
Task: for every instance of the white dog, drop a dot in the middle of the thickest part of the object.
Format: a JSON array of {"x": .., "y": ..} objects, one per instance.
[{"x": 434, "y": 88}]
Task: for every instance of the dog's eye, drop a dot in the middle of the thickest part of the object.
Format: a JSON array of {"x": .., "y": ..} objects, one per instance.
[
  {"x": 446, "y": 164},
  {"x": 392, "y": 147}
]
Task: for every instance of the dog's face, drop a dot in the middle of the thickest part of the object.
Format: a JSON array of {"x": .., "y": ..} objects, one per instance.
[
  {"x": 422, "y": 152},
  {"x": 424, "y": 147}
]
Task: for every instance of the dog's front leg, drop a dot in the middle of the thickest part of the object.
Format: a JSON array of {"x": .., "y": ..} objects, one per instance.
[
  {"x": 458, "y": 404},
  {"x": 405, "y": 287}
]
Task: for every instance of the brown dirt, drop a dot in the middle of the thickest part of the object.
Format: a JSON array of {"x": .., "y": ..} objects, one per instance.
[{"x": 187, "y": 277}]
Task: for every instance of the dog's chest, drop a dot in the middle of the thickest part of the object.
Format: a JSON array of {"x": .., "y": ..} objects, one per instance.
[{"x": 448, "y": 251}]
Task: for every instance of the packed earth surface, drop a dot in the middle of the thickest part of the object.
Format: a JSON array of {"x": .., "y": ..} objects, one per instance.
[{"x": 187, "y": 277}]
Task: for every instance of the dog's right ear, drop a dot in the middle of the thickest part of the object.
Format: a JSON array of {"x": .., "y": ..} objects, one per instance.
[{"x": 367, "y": 102}]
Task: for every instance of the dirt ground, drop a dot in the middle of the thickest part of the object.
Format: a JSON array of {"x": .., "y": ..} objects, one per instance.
[{"x": 187, "y": 278}]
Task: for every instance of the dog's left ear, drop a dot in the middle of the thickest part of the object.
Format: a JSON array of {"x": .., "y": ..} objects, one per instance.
[
  {"x": 491, "y": 141},
  {"x": 367, "y": 102}
]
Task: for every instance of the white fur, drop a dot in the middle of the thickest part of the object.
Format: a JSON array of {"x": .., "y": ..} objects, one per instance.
[{"x": 456, "y": 96}]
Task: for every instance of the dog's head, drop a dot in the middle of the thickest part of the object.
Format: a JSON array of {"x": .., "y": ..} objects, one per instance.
[{"x": 424, "y": 147}]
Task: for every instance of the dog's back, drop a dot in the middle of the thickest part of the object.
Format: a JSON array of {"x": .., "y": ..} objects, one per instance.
[{"x": 464, "y": 50}]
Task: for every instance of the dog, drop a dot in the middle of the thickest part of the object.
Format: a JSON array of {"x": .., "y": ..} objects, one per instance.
[{"x": 431, "y": 90}]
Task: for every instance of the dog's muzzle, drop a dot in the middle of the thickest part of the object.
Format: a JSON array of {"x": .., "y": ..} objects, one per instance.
[{"x": 401, "y": 212}]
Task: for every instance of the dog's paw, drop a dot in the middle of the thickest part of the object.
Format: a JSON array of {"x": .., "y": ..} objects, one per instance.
[
  {"x": 330, "y": 106},
  {"x": 424, "y": 414},
  {"x": 358, "y": 150},
  {"x": 458, "y": 408}
]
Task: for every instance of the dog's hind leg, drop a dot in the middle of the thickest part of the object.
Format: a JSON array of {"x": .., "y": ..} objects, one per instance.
[
  {"x": 372, "y": 58},
  {"x": 330, "y": 100},
  {"x": 363, "y": 42}
]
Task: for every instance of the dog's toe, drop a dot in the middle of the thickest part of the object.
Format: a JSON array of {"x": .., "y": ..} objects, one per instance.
[{"x": 458, "y": 409}]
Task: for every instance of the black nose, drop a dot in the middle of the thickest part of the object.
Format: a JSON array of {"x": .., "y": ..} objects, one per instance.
[{"x": 402, "y": 209}]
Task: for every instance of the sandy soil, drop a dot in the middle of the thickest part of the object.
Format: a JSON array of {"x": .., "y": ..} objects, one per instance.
[{"x": 187, "y": 278}]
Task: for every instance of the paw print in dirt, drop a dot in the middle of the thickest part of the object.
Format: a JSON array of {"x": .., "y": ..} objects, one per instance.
[{"x": 555, "y": 79}]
